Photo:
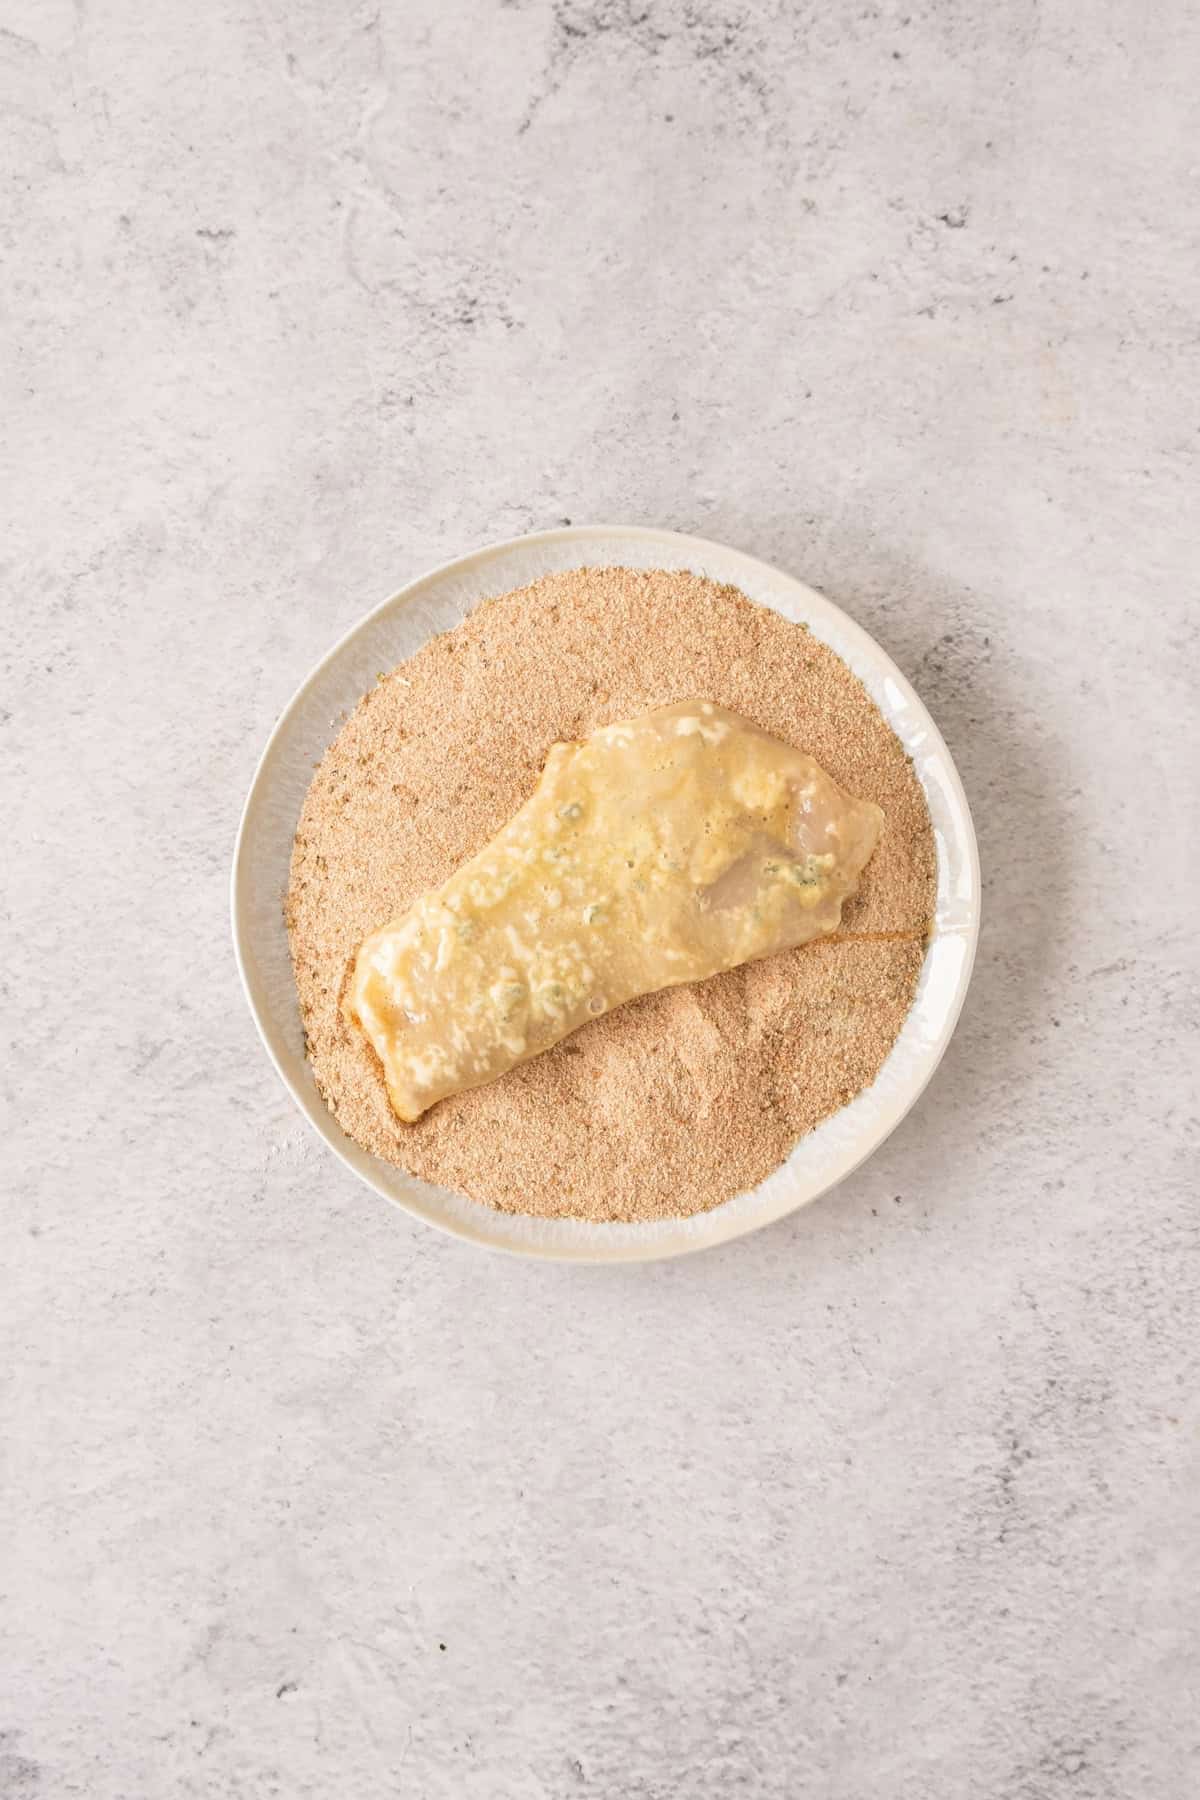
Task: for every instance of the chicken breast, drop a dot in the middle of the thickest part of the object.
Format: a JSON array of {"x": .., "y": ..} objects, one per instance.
[{"x": 660, "y": 850}]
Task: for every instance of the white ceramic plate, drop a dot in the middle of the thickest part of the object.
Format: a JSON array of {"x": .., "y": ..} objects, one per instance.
[{"x": 397, "y": 629}]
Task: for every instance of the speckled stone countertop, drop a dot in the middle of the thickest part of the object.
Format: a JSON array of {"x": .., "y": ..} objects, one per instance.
[{"x": 897, "y": 1501}]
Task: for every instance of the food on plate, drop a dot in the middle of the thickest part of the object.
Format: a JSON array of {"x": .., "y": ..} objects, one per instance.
[{"x": 660, "y": 850}]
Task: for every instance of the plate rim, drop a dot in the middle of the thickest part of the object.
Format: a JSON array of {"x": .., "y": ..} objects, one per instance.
[{"x": 316, "y": 1114}]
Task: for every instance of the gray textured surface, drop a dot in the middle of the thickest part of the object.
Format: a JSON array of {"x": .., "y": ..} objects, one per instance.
[{"x": 897, "y": 1501}]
